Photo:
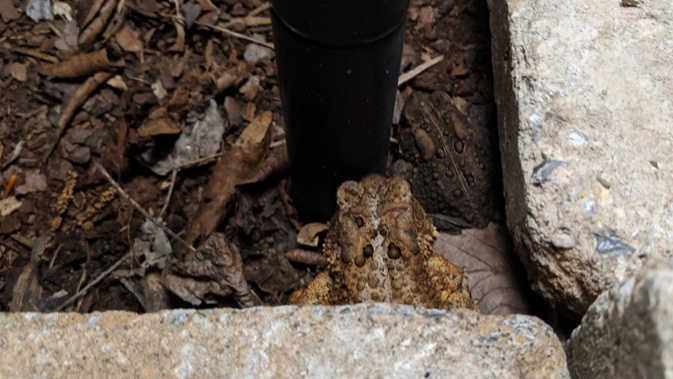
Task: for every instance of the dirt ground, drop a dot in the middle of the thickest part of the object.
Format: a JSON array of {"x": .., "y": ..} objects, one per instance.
[{"x": 133, "y": 89}]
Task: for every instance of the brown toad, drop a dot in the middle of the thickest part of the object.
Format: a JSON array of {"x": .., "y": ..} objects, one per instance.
[
  {"x": 379, "y": 249},
  {"x": 448, "y": 159}
]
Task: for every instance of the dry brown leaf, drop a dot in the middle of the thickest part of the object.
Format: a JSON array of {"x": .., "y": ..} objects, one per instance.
[
  {"x": 180, "y": 39},
  {"x": 426, "y": 16},
  {"x": 215, "y": 268},
  {"x": 250, "y": 110},
  {"x": 94, "y": 7},
  {"x": 88, "y": 35},
  {"x": 8, "y": 12},
  {"x": 27, "y": 289},
  {"x": 128, "y": 40},
  {"x": 207, "y": 5},
  {"x": 160, "y": 122},
  {"x": 273, "y": 273},
  {"x": 310, "y": 233},
  {"x": 236, "y": 166},
  {"x": 148, "y": 291},
  {"x": 78, "y": 66},
  {"x": 496, "y": 277},
  {"x": 9, "y": 206},
  {"x": 19, "y": 71},
  {"x": 256, "y": 131}
]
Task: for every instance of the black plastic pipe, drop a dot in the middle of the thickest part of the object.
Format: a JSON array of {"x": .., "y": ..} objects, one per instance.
[{"x": 338, "y": 63}]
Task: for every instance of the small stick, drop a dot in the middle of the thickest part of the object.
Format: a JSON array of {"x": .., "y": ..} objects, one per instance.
[
  {"x": 174, "y": 176},
  {"x": 78, "y": 98},
  {"x": 140, "y": 209},
  {"x": 198, "y": 162},
  {"x": 407, "y": 76},
  {"x": 100, "y": 277},
  {"x": 234, "y": 34},
  {"x": 258, "y": 10},
  {"x": 34, "y": 54}
]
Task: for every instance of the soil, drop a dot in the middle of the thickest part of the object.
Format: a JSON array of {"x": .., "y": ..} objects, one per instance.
[{"x": 121, "y": 96}]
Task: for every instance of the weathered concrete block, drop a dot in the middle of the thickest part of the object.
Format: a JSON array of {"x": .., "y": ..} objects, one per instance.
[
  {"x": 359, "y": 341},
  {"x": 584, "y": 91},
  {"x": 628, "y": 332}
]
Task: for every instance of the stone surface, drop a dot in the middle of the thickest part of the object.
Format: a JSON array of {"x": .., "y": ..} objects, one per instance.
[
  {"x": 379, "y": 249},
  {"x": 584, "y": 91},
  {"x": 628, "y": 332},
  {"x": 358, "y": 341}
]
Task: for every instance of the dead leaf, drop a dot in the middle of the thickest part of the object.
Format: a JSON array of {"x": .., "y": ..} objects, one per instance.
[
  {"x": 273, "y": 273},
  {"x": 7, "y": 11},
  {"x": 426, "y": 16},
  {"x": 236, "y": 166},
  {"x": 159, "y": 122},
  {"x": 93, "y": 8},
  {"x": 310, "y": 233},
  {"x": 9, "y": 205},
  {"x": 96, "y": 26},
  {"x": 215, "y": 268},
  {"x": 158, "y": 90},
  {"x": 250, "y": 88},
  {"x": 152, "y": 245},
  {"x": 180, "y": 40},
  {"x": 68, "y": 36},
  {"x": 39, "y": 10},
  {"x": 128, "y": 40},
  {"x": 34, "y": 181},
  {"x": 234, "y": 111},
  {"x": 148, "y": 290},
  {"x": 117, "y": 82},
  {"x": 62, "y": 9},
  {"x": 256, "y": 131},
  {"x": 495, "y": 275},
  {"x": 254, "y": 53},
  {"x": 78, "y": 66},
  {"x": 250, "y": 110},
  {"x": 27, "y": 289},
  {"x": 199, "y": 140},
  {"x": 18, "y": 71}
]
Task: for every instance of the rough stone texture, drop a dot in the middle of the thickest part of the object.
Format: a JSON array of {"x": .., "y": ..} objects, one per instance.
[
  {"x": 584, "y": 91},
  {"x": 361, "y": 341},
  {"x": 628, "y": 332}
]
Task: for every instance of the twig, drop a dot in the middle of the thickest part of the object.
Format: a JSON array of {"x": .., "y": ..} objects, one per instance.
[
  {"x": 100, "y": 277},
  {"x": 15, "y": 154},
  {"x": 407, "y": 76},
  {"x": 198, "y": 162},
  {"x": 77, "y": 99},
  {"x": 140, "y": 209},
  {"x": 234, "y": 34},
  {"x": 34, "y": 54},
  {"x": 174, "y": 176},
  {"x": 258, "y": 10}
]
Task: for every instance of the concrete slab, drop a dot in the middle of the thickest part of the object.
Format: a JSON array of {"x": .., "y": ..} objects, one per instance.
[
  {"x": 359, "y": 341},
  {"x": 584, "y": 91}
]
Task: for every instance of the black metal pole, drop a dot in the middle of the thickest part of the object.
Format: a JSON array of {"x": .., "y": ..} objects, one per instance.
[{"x": 338, "y": 63}]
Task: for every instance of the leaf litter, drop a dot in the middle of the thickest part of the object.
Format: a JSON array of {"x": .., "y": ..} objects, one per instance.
[{"x": 143, "y": 89}]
